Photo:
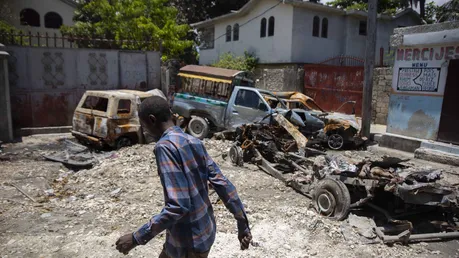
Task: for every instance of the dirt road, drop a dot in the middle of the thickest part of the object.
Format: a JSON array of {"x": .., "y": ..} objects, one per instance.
[{"x": 81, "y": 214}]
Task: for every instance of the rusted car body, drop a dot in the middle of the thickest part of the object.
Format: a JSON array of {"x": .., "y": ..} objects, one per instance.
[
  {"x": 110, "y": 118},
  {"x": 340, "y": 128}
]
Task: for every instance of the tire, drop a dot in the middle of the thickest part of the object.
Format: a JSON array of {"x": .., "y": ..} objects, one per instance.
[
  {"x": 335, "y": 141},
  {"x": 122, "y": 142},
  {"x": 331, "y": 198},
  {"x": 198, "y": 127},
  {"x": 236, "y": 156}
]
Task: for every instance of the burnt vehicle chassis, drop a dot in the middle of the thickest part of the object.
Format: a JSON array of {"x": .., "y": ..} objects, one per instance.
[{"x": 336, "y": 184}]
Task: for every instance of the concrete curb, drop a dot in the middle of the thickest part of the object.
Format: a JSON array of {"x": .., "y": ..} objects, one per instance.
[
  {"x": 42, "y": 130},
  {"x": 437, "y": 156}
]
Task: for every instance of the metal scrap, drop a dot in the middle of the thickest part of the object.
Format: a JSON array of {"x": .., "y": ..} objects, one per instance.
[{"x": 277, "y": 149}]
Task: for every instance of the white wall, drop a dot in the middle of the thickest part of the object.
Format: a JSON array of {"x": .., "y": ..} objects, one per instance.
[
  {"x": 42, "y": 7},
  {"x": 355, "y": 43},
  {"x": 309, "y": 49},
  {"x": 293, "y": 41},
  {"x": 275, "y": 49}
]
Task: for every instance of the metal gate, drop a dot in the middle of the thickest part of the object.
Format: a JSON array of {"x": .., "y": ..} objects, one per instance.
[
  {"x": 449, "y": 121},
  {"x": 335, "y": 81}
]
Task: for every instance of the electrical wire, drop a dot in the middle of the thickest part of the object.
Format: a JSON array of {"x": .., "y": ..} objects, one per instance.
[{"x": 250, "y": 20}]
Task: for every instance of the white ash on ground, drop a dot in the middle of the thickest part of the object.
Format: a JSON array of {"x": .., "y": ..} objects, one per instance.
[{"x": 86, "y": 211}]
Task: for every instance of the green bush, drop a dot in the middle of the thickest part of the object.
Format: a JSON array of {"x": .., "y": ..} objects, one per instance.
[{"x": 247, "y": 62}]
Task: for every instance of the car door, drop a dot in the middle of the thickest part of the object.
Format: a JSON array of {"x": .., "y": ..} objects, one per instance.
[{"x": 245, "y": 107}]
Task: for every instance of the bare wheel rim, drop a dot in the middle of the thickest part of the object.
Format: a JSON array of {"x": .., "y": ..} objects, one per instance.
[
  {"x": 233, "y": 155},
  {"x": 326, "y": 203},
  {"x": 335, "y": 141},
  {"x": 197, "y": 127}
]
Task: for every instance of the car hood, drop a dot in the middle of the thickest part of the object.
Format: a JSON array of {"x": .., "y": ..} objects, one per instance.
[{"x": 351, "y": 119}]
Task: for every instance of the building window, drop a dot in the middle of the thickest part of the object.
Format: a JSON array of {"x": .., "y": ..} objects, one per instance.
[
  {"x": 30, "y": 17},
  {"x": 263, "y": 28},
  {"x": 53, "y": 20},
  {"x": 236, "y": 32},
  {"x": 315, "y": 26},
  {"x": 271, "y": 26},
  {"x": 207, "y": 38},
  {"x": 363, "y": 28},
  {"x": 228, "y": 33},
  {"x": 324, "y": 28}
]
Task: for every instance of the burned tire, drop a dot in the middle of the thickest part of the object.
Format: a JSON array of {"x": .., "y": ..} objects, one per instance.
[
  {"x": 198, "y": 127},
  {"x": 331, "y": 198},
  {"x": 236, "y": 155},
  {"x": 335, "y": 141},
  {"x": 122, "y": 142}
]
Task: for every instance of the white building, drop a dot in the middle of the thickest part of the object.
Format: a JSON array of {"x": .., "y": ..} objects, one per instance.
[
  {"x": 289, "y": 31},
  {"x": 42, "y": 16}
]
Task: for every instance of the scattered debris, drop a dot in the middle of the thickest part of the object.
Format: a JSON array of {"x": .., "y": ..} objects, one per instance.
[
  {"x": 22, "y": 191},
  {"x": 77, "y": 156},
  {"x": 85, "y": 226},
  {"x": 338, "y": 183}
]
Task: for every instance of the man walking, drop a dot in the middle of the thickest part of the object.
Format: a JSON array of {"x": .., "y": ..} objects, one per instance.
[{"x": 184, "y": 167}]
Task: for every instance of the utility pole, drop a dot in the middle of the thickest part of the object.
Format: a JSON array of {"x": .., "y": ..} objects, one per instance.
[{"x": 370, "y": 53}]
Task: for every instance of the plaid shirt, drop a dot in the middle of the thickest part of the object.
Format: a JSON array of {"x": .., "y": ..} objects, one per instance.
[{"x": 185, "y": 168}]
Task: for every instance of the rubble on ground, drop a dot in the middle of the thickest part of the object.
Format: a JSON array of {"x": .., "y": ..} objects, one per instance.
[
  {"x": 82, "y": 213},
  {"x": 337, "y": 183}
]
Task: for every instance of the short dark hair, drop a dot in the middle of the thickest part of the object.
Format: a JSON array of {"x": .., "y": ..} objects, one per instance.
[{"x": 156, "y": 106}]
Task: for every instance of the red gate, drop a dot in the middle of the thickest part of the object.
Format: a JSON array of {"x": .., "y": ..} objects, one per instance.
[{"x": 334, "y": 82}]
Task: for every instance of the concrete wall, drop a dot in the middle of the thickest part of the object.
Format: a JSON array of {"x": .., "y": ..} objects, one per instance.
[
  {"x": 280, "y": 77},
  {"x": 275, "y": 49},
  {"x": 382, "y": 85},
  {"x": 293, "y": 41},
  {"x": 66, "y": 11},
  {"x": 418, "y": 87},
  {"x": 309, "y": 49},
  {"x": 355, "y": 44},
  {"x": 47, "y": 83}
]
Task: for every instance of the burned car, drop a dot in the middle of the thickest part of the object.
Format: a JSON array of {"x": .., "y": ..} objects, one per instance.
[
  {"x": 110, "y": 118},
  {"x": 338, "y": 183},
  {"x": 214, "y": 100},
  {"x": 339, "y": 129}
]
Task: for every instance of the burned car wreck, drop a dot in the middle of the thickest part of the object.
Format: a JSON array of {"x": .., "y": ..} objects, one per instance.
[
  {"x": 339, "y": 128},
  {"x": 338, "y": 183},
  {"x": 110, "y": 118}
]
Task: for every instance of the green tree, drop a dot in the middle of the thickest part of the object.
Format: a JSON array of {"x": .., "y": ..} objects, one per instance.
[
  {"x": 247, "y": 62},
  {"x": 384, "y": 6},
  {"x": 132, "y": 24},
  {"x": 191, "y": 11},
  {"x": 431, "y": 12},
  {"x": 448, "y": 11}
]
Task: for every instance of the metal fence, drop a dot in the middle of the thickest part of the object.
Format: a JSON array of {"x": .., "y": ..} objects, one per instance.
[
  {"x": 38, "y": 39},
  {"x": 343, "y": 61}
]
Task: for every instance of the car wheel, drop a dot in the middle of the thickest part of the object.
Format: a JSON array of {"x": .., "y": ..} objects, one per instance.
[
  {"x": 331, "y": 198},
  {"x": 335, "y": 141},
  {"x": 123, "y": 142},
  {"x": 236, "y": 156},
  {"x": 198, "y": 127}
]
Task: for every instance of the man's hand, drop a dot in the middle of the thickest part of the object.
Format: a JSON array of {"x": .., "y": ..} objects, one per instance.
[
  {"x": 245, "y": 239},
  {"x": 125, "y": 244}
]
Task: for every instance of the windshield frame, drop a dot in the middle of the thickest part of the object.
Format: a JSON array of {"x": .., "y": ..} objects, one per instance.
[{"x": 283, "y": 106}]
